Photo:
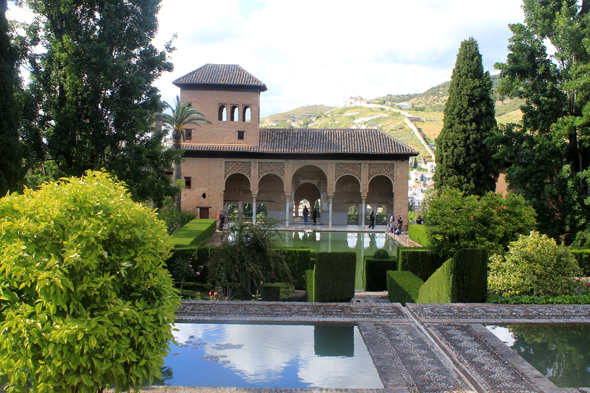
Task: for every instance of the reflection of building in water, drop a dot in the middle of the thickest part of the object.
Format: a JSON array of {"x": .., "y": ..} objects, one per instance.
[{"x": 232, "y": 163}]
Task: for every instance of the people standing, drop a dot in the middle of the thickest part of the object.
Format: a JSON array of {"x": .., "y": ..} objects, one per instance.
[
  {"x": 221, "y": 218},
  {"x": 372, "y": 220},
  {"x": 419, "y": 220},
  {"x": 400, "y": 223},
  {"x": 305, "y": 214},
  {"x": 390, "y": 223},
  {"x": 314, "y": 215}
]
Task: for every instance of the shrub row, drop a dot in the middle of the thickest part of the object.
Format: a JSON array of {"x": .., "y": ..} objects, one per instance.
[
  {"x": 334, "y": 276},
  {"x": 462, "y": 279},
  {"x": 564, "y": 299},
  {"x": 299, "y": 261},
  {"x": 419, "y": 261},
  {"x": 403, "y": 287},
  {"x": 418, "y": 234},
  {"x": 309, "y": 284},
  {"x": 583, "y": 258},
  {"x": 193, "y": 234},
  {"x": 376, "y": 273}
]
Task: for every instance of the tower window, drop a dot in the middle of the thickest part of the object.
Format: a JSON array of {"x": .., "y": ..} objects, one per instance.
[
  {"x": 234, "y": 114},
  {"x": 247, "y": 115},
  {"x": 241, "y": 135},
  {"x": 187, "y": 182},
  {"x": 188, "y": 134},
  {"x": 222, "y": 114}
]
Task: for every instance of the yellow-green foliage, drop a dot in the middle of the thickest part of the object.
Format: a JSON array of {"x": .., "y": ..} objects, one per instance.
[
  {"x": 438, "y": 288},
  {"x": 309, "y": 275},
  {"x": 403, "y": 287},
  {"x": 86, "y": 301},
  {"x": 534, "y": 265}
]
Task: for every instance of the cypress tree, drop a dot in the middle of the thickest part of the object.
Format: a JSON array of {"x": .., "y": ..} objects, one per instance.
[
  {"x": 464, "y": 160},
  {"x": 10, "y": 149}
]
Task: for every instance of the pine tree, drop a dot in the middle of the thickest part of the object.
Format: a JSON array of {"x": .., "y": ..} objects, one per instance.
[
  {"x": 464, "y": 159},
  {"x": 10, "y": 149}
]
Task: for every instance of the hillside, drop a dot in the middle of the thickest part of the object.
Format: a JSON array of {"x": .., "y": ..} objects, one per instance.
[{"x": 428, "y": 106}]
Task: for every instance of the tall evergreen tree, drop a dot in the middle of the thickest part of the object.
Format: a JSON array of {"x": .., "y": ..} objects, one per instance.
[
  {"x": 10, "y": 147},
  {"x": 95, "y": 85},
  {"x": 549, "y": 151},
  {"x": 464, "y": 159}
]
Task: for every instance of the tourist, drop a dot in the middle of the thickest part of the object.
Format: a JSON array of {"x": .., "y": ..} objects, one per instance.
[
  {"x": 372, "y": 220},
  {"x": 390, "y": 223},
  {"x": 305, "y": 214},
  {"x": 400, "y": 223},
  {"x": 221, "y": 218},
  {"x": 419, "y": 220},
  {"x": 314, "y": 215}
]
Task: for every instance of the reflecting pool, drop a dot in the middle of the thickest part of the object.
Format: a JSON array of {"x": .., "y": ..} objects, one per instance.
[
  {"x": 559, "y": 352},
  {"x": 269, "y": 356},
  {"x": 363, "y": 243}
]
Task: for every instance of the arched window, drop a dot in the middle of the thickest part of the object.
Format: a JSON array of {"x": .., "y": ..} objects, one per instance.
[
  {"x": 234, "y": 114},
  {"x": 247, "y": 114},
  {"x": 222, "y": 113}
]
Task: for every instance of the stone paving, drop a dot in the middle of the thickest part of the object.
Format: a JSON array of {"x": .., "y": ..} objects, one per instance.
[{"x": 418, "y": 348}]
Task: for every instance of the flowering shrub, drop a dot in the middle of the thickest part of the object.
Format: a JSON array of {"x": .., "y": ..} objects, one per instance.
[{"x": 534, "y": 265}]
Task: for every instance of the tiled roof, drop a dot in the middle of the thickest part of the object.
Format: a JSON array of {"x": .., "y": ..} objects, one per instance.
[
  {"x": 316, "y": 141},
  {"x": 220, "y": 74}
]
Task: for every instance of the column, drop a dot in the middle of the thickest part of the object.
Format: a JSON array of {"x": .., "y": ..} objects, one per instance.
[
  {"x": 287, "y": 203},
  {"x": 239, "y": 211},
  {"x": 253, "y": 209},
  {"x": 330, "y": 212},
  {"x": 362, "y": 212}
]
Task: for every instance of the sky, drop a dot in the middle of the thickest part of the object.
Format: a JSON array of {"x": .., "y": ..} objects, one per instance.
[{"x": 312, "y": 52}]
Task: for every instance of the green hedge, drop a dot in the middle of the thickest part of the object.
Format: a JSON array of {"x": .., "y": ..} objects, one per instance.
[
  {"x": 403, "y": 287},
  {"x": 583, "y": 258},
  {"x": 563, "y": 299},
  {"x": 299, "y": 261},
  {"x": 461, "y": 279},
  {"x": 376, "y": 273},
  {"x": 193, "y": 234},
  {"x": 309, "y": 274},
  {"x": 418, "y": 234},
  {"x": 419, "y": 261},
  {"x": 334, "y": 276}
]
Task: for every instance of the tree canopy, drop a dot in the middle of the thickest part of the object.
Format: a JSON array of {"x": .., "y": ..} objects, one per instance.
[
  {"x": 548, "y": 154},
  {"x": 93, "y": 88},
  {"x": 10, "y": 147},
  {"x": 464, "y": 159}
]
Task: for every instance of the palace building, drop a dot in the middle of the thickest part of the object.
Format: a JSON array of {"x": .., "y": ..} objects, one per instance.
[{"x": 234, "y": 164}]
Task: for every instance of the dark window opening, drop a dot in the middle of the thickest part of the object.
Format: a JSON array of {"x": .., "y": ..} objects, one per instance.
[
  {"x": 247, "y": 115},
  {"x": 241, "y": 135},
  {"x": 234, "y": 114},
  {"x": 222, "y": 115},
  {"x": 188, "y": 135},
  {"x": 187, "y": 182}
]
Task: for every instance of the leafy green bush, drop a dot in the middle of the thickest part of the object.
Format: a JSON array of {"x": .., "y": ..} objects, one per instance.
[
  {"x": 455, "y": 221},
  {"x": 418, "y": 260},
  {"x": 534, "y": 265},
  {"x": 376, "y": 273},
  {"x": 460, "y": 279},
  {"x": 525, "y": 299},
  {"x": 248, "y": 257},
  {"x": 86, "y": 300},
  {"x": 403, "y": 287},
  {"x": 334, "y": 276},
  {"x": 418, "y": 234},
  {"x": 381, "y": 254},
  {"x": 583, "y": 258}
]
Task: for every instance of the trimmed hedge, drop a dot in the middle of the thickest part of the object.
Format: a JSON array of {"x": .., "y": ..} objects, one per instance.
[
  {"x": 461, "y": 279},
  {"x": 418, "y": 234},
  {"x": 419, "y": 261},
  {"x": 309, "y": 275},
  {"x": 403, "y": 287},
  {"x": 376, "y": 273},
  {"x": 299, "y": 261},
  {"x": 334, "y": 276},
  {"x": 193, "y": 234},
  {"x": 583, "y": 258}
]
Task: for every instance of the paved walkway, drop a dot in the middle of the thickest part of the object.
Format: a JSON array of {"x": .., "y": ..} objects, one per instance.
[{"x": 418, "y": 348}]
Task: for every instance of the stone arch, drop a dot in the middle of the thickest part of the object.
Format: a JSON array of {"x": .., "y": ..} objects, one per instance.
[
  {"x": 247, "y": 114},
  {"x": 271, "y": 192},
  {"x": 234, "y": 113},
  {"x": 237, "y": 192},
  {"x": 233, "y": 167},
  {"x": 381, "y": 193},
  {"x": 222, "y": 112},
  {"x": 306, "y": 191},
  {"x": 347, "y": 192}
]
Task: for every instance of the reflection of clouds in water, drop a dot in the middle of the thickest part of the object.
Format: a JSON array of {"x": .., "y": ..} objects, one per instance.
[
  {"x": 503, "y": 334},
  {"x": 380, "y": 240},
  {"x": 196, "y": 330},
  {"x": 336, "y": 371},
  {"x": 267, "y": 349},
  {"x": 352, "y": 239}
]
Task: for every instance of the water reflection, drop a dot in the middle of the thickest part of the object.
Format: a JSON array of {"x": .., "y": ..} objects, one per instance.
[
  {"x": 278, "y": 356},
  {"x": 559, "y": 352}
]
